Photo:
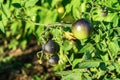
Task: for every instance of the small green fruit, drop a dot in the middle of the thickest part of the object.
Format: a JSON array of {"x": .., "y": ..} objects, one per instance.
[
  {"x": 61, "y": 10},
  {"x": 81, "y": 29}
]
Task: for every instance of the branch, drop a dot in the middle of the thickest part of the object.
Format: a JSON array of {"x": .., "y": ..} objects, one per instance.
[{"x": 52, "y": 24}]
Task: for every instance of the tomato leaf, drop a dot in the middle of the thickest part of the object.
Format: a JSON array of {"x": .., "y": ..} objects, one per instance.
[
  {"x": 30, "y": 3},
  {"x": 87, "y": 48},
  {"x": 97, "y": 38},
  {"x": 16, "y": 5},
  {"x": 2, "y": 27},
  {"x": 89, "y": 63},
  {"x": 86, "y": 76},
  {"x": 73, "y": 76},
  {"x": 66, "y": 45},
  {"x": 115, "y": 21},
  {"x": 76, "y": 62},
  {"x": 5, "y": 10},
  {"x": 63, "y": 73},
  {"x": 108, "y": 18},
  {"x": 113, "y": 47}
]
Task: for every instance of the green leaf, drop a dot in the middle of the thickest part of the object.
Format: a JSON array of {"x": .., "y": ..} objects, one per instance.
[
  {"x": 76, "y": 62},
  {"x": 104, "y": 57},
  {"x": 76, "y": 12},
  {"x": 115, "y": 21},
  {"x": 66, "y": 45},
  {"x": 0, "y": 16},
  {"x": 118, "y": 30},
  {"x": 14, "y": 27},
  {"x": 86, "y": 76},
  {"x": 23, "y": 44},
  {"x": 2, "y": 27},
  {"x": 56, "y": 34},
  {"x": 87, "y": 48},
  {"x": 13, "y": 44},
  {"x": 113, "y": 47},
  {"x": 5, "y": 10},
  {"x": 76, "y": 8},
  {"x": 89, "y": 64},
  {"x": 38, "y": 31},
  {"x": 72, "y": 76},
  {"x": 97, "y": 38},
  {"x": 63, "y": 73},
  {"x": 108, "y": 18},
  {"x": 68, "y": 8},
  {"x": 111, "y": 67},
  {"x": 83, "y": 6},
  {"x": 16, "y": 5},
  {"x": 51, "y": 16},
  {"x": 48, "y": 16},
  {"x": 30, "y": 3},
  {"x": 36, "y": 77},
  {"x": 102, "y": 46}
]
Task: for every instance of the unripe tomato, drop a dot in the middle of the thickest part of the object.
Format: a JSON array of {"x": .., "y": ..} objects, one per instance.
[
  {"x": 81, "y": 29},
  {"x": 54, "y": 59},
  {"x": 51, "y": 47},
  {"x": 61, "y": 10}
]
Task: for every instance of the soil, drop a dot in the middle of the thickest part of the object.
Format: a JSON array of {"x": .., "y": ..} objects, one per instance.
[{"x": 25, "y": 65}]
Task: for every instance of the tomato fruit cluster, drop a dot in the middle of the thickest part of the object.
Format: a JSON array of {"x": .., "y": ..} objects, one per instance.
[
  {"x": 51, "y": 47},
  {"x": 80, "y": 29}
]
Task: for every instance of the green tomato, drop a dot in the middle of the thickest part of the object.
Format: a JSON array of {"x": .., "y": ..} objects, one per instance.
[
  {"x": 61, "y": 10},
  {"x": 81, "y": 29}
]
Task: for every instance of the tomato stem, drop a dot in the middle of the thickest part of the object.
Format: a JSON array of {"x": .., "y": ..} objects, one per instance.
[
  {"x": 40, "y": 56},
  {"x": 52, "y": 24}
]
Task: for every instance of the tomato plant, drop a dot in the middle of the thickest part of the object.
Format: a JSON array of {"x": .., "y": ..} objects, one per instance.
[{"x": 92, "y": 53}]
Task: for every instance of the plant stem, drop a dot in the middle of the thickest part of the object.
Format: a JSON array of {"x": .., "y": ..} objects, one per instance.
[
  {"x": 52, "y": 24},
  {"x": 110, "y": 55},
  {"x": 68, "y": 59}
]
